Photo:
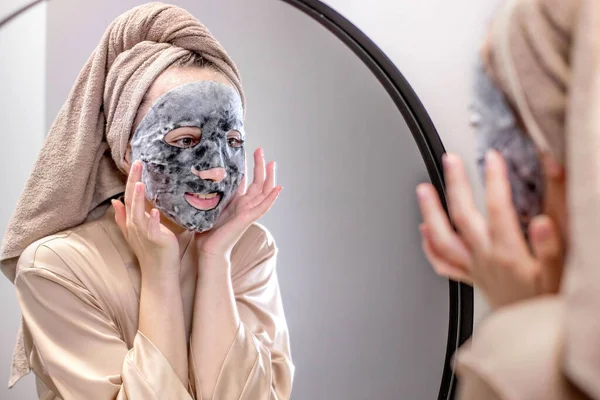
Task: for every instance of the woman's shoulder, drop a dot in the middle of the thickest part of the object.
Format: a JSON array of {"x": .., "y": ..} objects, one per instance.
[
  {"x": 257, "y": 238},
  {"x": 80, "y": 254},
  {"x": 254, "y": 247}
]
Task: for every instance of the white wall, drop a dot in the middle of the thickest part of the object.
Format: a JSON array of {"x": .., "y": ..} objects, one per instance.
[
  {"x": 22, "y": 94},
  {"x": 433, "y": 43}
]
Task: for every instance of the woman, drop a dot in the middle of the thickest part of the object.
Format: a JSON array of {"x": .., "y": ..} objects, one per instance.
[
  {"x": 171, "y": 292},
  {"x": 538, "y": 88}
]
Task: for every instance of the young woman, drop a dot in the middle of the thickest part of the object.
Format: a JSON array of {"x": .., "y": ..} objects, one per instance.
[{"x": 139, "y": 267}]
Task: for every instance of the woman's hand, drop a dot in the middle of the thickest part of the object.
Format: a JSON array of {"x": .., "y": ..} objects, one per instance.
[
  {"x": 155, "y": 246},
  {"x": 494, "y": 255},
  {"x": 247, "y": 207}
]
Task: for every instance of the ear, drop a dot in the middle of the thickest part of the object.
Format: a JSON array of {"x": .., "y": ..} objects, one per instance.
[
  {"x": 127, "y": 160},
  {"x": 552, "y": 169}
]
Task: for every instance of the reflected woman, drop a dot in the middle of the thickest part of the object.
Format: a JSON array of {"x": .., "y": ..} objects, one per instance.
[
  {"x": 536, "y": 100},
  {"x": 138, "y": 263}
]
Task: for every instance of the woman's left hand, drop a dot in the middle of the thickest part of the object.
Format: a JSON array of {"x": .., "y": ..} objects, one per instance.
[
  {"x": 244, "y": 209},
  {"x": 493, "y": 255}
]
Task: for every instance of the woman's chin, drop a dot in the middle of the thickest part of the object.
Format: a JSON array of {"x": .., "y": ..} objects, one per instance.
[{"x": 203, "y": 229}]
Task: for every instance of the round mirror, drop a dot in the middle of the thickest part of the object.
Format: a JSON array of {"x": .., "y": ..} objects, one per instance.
[{"x": 368, "y": 318}]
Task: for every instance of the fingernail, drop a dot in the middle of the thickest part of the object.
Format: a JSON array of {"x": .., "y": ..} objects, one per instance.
[
  {"x": 491, "y": 156},
  {"x": 542, "y": 231},
  {"x": 445, "y": 161},
  {"x": 112, "y": 202},
  {"x": 421, "y": 192}
]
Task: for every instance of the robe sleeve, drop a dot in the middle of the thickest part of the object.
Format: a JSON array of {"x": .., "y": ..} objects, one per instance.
[
  {"x": 83, "y": 354},
  {"x": 258, "y": 365}
]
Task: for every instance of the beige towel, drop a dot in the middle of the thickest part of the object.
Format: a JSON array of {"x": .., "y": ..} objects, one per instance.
[
  {"x": 545, "y": 54},
  {"x": 81, "y": 163}
]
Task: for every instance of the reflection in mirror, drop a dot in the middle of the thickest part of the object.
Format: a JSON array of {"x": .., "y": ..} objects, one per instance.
[{"x": 366, "y": 316}]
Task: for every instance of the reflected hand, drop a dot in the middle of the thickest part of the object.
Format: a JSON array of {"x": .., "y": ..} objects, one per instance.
[
  {"x": 246, "y": 207},
  {"x": 494, "y": 255},
  {"x": 154, "y": 245}
]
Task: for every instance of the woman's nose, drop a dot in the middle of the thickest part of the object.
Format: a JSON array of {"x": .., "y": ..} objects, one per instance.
[{"x": 212, "y": 174}]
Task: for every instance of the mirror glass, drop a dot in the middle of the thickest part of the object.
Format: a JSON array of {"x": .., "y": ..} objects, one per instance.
[{"x": 368, "y": 318}]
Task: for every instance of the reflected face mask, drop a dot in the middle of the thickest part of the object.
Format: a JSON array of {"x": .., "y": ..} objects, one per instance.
[
  {"x": 185, "y": 198},
  {"x": 497, "y": 128}
]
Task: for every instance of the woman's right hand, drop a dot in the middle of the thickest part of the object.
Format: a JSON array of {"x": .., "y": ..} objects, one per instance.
[
  {"x": 154, "y": 245},
  {"x": 492, "y": 254}
]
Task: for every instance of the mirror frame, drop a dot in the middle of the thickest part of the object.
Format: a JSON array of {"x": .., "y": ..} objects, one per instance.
[{"x": 460, "y": 317}]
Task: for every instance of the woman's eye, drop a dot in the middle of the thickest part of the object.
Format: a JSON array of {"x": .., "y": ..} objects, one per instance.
[
  {"x": 183, "y": 137},
  {"x": 185, "y": 142},
  {"x": 235, "y": 142}
]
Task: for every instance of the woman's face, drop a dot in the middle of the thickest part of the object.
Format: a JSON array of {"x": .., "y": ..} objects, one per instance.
[
  {"x": 537, "y": 182},
  {"x": 189, "y": 136}
]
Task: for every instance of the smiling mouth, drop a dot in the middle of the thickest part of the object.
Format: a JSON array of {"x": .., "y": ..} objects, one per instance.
[{"x": 203, "y": 201}]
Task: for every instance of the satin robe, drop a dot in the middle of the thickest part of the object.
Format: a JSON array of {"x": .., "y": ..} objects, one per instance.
[{"x": 79, "y": 293}]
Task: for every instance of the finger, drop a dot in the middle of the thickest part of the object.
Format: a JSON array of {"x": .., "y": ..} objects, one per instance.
[
  {"x": 242, "y": 187},
  {"x": 443, "y": 267},
  {"x": 463, "y": 212},
  {"x": 120, "y": 216},
  {"x": 135, "y": 175},
  {"x": 138, "y": 207},
  {"x": 154, "y": 225},
  {"x": 454, "y": 252},
  {"x": 505, "y": 230},
  {"x": 270, "y": 181},
  {"x": 547, "y": 248},
  {"x": 259, "y": 172},
  {"x": 261, "y": 209},
  {"x": 443, "y": 236}
]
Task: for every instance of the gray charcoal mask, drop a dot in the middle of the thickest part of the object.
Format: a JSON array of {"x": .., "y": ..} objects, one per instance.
[
  {"x": 498, "y": 128},
  {"x": 216, "y": 109}
]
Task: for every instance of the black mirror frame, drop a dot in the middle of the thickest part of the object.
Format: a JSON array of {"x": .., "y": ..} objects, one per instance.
[{"x": 460, "y": 318}]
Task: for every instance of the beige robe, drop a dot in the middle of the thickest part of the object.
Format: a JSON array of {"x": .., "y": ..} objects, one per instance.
[
  {"x": 79, "y": 292},
  {"x": 516, "y": 353}
]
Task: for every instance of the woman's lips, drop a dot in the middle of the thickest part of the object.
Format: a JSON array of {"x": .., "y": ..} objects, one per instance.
[{"x": 203, "y": 201}]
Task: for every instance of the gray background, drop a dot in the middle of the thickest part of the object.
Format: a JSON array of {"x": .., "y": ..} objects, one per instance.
[{"x": 368, "y": 318}]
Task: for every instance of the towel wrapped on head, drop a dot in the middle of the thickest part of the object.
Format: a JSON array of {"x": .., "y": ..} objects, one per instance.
[{"x": 81, "y": 163}]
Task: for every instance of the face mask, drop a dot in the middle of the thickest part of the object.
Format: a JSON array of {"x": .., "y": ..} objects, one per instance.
[
  {"x": 497, "y": 128},
  {"x": 214, "y": 108}
]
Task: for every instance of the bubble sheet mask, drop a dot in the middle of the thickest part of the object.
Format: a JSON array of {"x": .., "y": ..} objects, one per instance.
[
  {"x": 497, "y": 128},
  {"x": 216, "y": 109}
]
